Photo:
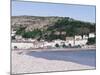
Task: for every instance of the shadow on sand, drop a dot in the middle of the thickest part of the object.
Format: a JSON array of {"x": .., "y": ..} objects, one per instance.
[{"x": 82, "y": 57}]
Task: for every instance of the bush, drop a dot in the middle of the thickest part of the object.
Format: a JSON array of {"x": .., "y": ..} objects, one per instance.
[
  {"x": 15, "y": 47},
  {"x": 20, "y": 31},
  {"x": 32, "y": 34},
  {"x": 91, "y": 41},
  {"x": 70, "y": 45},
  {"x": 79, "y": 46},
  {"x": 13, "y": 37},
  {"x": 57, "y": 45},
  {"x": 64, "y": 46}
]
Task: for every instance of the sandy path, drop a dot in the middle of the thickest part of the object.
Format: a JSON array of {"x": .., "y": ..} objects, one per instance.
[{"x": 22, "y": 63}]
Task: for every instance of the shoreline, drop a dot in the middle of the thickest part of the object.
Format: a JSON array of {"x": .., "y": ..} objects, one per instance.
[{"x": 55, "y": 49}]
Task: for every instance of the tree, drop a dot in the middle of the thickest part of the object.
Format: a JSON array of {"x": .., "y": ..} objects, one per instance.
[
  {"x": 15, "y": 47},
  {"x": 91, "y": 41},
  {"x": 64, "y": 46},
  {"x": 20, "y": 30},
  {"x": 69, "y": 45},
  {"x": 13, "y": 37},
  {"x": 36, "y": 33},
  {"x": 83, "y": 31},
  {"x": 57, "y": 45}
]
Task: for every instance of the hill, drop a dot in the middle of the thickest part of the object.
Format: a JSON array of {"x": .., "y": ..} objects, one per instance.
[
  {"x": 32, "y": 22},
  {"x": 50, "y": 28}
]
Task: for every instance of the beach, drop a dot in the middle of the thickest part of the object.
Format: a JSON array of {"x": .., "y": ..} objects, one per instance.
[{"x": 24, "y": 63}]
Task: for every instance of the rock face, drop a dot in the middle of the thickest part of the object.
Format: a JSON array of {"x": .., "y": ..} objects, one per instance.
[{"x": 32, "y": 22}]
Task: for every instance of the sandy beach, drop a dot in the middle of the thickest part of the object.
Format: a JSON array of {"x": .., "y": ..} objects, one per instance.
[{"x": 23, "y": 63}]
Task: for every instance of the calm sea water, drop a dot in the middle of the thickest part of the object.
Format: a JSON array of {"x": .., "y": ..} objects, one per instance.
[{"x": 86, "y": 57}]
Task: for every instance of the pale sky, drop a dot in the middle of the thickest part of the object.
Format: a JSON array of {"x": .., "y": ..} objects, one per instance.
[{"x": 78, "y": 12}]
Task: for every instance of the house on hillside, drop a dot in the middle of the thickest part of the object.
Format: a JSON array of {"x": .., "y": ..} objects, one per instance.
[
  {"x": 79, "y": 40},
  {"x": 69, "y": 41},
  {"x": 78, "y": 37},
  {"x": 18, "y": 37},
  {"x": 13, "y": 32},
  {"x": 85, "y": 37},
  {"x": 75, "y": 41},
  {"x": 21, "y": 45},
  {"x": 63, "y": 33},
  {"x": 92, "y": 35}
]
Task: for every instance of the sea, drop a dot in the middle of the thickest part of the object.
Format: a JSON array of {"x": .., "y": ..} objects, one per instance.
[{"x": 84, "y": 57}]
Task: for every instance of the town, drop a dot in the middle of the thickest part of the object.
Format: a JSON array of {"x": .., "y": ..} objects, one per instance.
[{"x": 71, "y": 42}]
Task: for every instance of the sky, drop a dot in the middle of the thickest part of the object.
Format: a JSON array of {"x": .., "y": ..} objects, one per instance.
[{"x": 78, "y": 12}]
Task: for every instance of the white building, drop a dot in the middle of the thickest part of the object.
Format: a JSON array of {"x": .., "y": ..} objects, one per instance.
[
  {"x": 81, "y": 42},
  {"x": 27, "y": 44},
  {"x": 49, "y": 44},
  {"x": 78, "y": 37},
  {"x": 58, "y": 41},
  {"x": 18, "y": 37},
  {"x": 85, "y": 37},
  {"x": 22, "y": 45},
  {"x": 70, "y": 41},
  {"x": 32, "y": 40},
  {"x": 13, "y": 33},
  {"x": 54, "y": 42},
  {"x": 91, "y": 35},
  {"x": 76, "y": 41}
]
